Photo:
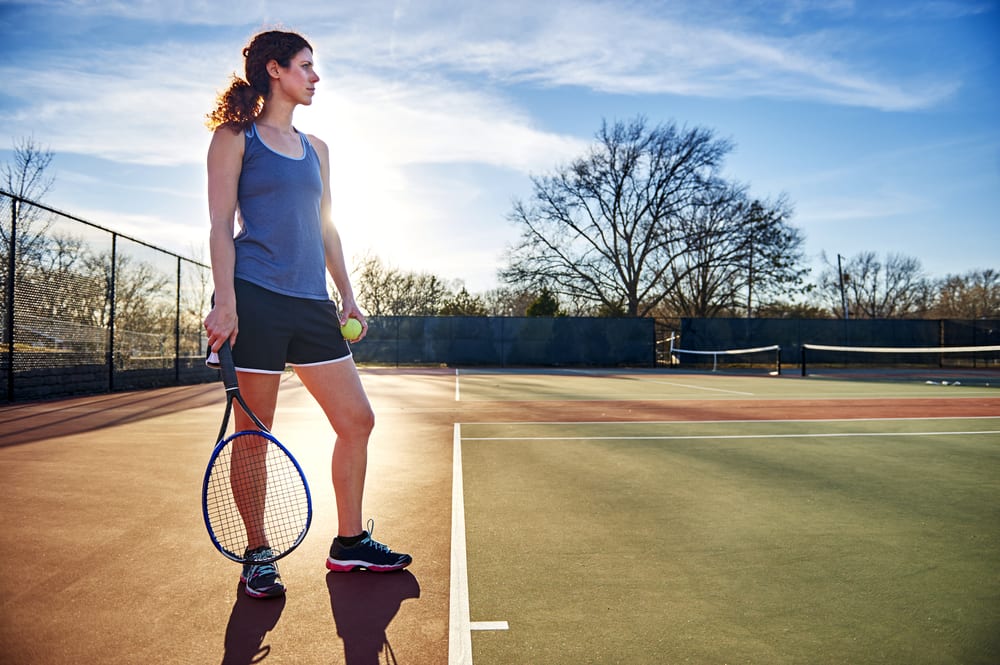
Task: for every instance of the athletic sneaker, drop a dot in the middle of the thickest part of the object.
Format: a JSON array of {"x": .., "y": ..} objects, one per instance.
[
  {"x": 367, "y": 553},
  {"x": 262, "y": 579}
]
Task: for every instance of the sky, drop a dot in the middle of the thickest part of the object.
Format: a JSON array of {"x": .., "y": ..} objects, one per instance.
[{"x": 878, "y": 121}]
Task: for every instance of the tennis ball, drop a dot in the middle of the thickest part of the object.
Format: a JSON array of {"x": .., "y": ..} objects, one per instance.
[{"x": 351, "y": 330}]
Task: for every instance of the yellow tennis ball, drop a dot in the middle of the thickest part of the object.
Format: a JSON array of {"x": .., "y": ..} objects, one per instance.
[{"x": 351, "y": 330}]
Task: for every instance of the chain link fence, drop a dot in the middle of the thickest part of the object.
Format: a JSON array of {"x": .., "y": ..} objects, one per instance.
[{"x": 88, "y": 310}]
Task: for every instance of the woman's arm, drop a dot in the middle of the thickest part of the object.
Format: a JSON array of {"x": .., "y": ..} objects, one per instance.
[
  {"x": 225, "y": 161},
  {"x": 332, "y": 247}
]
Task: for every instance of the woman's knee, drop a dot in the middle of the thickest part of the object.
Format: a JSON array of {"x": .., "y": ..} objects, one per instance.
[{"x": 356, "y": 425}]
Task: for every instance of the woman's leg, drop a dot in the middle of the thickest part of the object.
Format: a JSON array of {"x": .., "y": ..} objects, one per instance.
[
  {"x": 337, "y": 388},
  {"x": 260, "y": 392}
]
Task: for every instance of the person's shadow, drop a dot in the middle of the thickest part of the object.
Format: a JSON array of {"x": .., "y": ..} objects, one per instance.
[
  {"x": 363, "y": 605},
  {"x": 249, "y": 622}
]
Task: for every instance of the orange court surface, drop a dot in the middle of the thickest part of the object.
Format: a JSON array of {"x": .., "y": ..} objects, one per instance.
[{"x": 561, "y": 516}]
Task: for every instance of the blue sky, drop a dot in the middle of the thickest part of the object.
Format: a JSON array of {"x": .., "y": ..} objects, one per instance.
[{"x": 880, "y": 121}]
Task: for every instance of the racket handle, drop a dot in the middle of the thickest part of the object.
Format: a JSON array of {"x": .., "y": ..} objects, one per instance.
[{"x": 227, "y": 367}]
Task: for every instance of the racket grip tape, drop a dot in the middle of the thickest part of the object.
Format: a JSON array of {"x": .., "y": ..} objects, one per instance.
[{"x": 227, "y": 367}]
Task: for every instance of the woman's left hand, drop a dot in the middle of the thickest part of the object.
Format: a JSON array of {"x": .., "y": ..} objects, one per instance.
[{"x": 350, "y": 310}]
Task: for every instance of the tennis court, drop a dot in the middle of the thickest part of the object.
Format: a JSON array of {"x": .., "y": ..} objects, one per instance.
[
  {"x": 553, "y": 516},
  {"x": 767, "y": 534}
]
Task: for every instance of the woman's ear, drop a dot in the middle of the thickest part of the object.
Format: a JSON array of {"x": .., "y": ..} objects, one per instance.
[{"x": 273, "y": 69}]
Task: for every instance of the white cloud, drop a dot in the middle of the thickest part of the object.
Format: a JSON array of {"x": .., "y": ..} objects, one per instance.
[{"x": 631, "y": 49}]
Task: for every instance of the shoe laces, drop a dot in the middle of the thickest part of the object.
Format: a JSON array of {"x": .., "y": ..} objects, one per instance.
[
  {"x": 263, "y": 569},
  {"x": 371, "y": 538}
]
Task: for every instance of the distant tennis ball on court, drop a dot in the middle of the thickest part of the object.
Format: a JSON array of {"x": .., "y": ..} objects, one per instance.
[{"x": 351, "y": 330}]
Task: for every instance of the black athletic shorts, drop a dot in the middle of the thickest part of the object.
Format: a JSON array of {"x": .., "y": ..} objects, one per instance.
[{"x": 277, "y": 330}]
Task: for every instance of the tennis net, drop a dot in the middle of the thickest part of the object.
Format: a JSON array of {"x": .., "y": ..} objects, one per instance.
[
  {"x": 767, "y": 357},
  {"x": 983, "y": 360}
]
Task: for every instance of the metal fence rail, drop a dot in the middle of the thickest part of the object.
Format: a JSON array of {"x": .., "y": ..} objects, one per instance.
[{"x": 88, "y": 310}]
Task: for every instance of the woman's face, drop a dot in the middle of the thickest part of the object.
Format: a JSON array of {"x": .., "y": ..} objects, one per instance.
[{"x": 298, "y": 80}]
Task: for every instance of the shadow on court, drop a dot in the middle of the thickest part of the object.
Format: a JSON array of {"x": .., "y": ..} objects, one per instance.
[
  {"x": 249, "y": 623},
  {"x": 36, "y": 421},
  {"x": 363, "y": 605}
]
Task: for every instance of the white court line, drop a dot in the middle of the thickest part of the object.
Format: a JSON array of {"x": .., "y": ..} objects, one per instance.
[
  {"x": 721, "y": 436},
  {"x": 489, "y": 625},
  {"x": 666, "y": 383},
  {"x": 714, "y": 390},
  {"x": 459, "y": 625},
  {"x": 714, "y": 422}
]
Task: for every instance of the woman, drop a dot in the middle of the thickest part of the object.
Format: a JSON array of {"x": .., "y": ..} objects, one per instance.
[{"x": 271, "y": 301}]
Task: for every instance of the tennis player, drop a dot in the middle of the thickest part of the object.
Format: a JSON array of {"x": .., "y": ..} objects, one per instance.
[{"x": 271, "y": 299}]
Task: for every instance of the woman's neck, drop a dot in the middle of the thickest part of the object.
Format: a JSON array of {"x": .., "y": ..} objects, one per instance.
[{"x": 277, "y": 118}]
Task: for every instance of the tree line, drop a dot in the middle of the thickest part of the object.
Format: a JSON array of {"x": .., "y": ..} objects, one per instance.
[{"x": 893, "y": 286}]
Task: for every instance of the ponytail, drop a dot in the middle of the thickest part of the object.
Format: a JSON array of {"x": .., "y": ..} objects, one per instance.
[{"x": 237, "y": 107}]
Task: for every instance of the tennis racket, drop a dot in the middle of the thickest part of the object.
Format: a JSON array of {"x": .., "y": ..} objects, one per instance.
[{"x": 255, "y": 493}]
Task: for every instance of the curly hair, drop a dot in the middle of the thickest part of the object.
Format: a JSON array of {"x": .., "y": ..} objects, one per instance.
[{"x": 243, "y": 101}]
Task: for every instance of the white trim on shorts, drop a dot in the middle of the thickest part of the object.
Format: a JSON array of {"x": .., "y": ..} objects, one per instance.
[
  {"x": 282, "y": 371},
  {"x": 259, "y": 371},
  {"x": 325, "y": 362}
]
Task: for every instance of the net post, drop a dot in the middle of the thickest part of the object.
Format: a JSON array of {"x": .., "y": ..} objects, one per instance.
[
  {"x": 778, "y": 368},
  {"x": 802, "y": 349}
]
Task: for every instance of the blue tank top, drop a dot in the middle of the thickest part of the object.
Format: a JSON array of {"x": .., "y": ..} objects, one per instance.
[{"x": 280, "y": 245}]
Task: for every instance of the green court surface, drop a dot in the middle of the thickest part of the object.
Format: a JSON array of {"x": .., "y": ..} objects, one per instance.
[{"x": 821, "y": 541}]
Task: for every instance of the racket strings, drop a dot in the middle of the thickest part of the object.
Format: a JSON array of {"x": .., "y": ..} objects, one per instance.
[{"x": 255, "y": 492}]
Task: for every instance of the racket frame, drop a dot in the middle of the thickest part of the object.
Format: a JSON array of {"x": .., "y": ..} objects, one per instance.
[{"x": 229, "y": 379}]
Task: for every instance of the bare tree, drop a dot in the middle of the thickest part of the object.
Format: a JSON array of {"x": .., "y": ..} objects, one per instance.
[
  {"x": 386, "y": 291},
  {"x": 506, "y": 301},
  {"x": 739, "y": 252},
  {"x": 703, "y": 277},
  {"x": 974, "y": 295},
  {"x": 895, "y": 287},
  {"x": 644, "y": 223},
  {"x": 26, "y": 177},
  {"x": 196, "y": 299},
  {"x": 606, "y": 229}
]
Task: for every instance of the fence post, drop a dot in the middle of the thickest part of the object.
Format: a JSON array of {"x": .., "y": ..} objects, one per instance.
[
  {"x": 177, "y": 328},
  {"x": 503, "y": 342},
  {"x": 9, "y": 304},
  {"x": 111, "y": 316}
]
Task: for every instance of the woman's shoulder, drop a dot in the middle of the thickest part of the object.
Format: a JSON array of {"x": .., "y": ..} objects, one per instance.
[
  {"x": 228, "y": 136},
  {"x": 318, "y": 145}
]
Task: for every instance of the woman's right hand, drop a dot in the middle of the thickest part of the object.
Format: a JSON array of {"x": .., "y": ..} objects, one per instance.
[{"x": 221, "y": 325}]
